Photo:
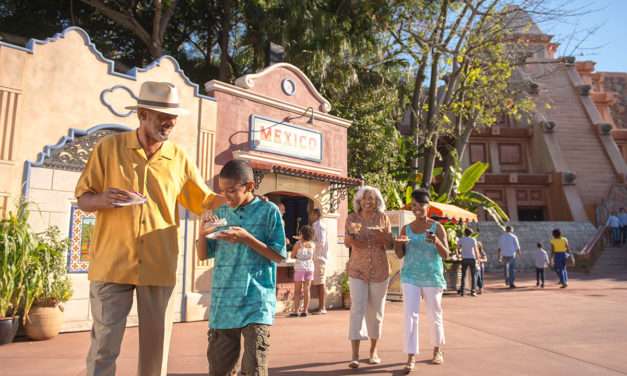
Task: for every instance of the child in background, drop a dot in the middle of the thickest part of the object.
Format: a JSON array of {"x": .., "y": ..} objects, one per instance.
[
  {"x": 483, "y": 259},
  {"x": 560, "y": 251},
  {"x": 541, "y": 259},
  {"x": 303, "y": 252},
  {"x": 243, "y": 290}
]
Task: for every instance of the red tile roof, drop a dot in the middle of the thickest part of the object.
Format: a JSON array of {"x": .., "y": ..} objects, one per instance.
[{"x": 304, "y": 173}]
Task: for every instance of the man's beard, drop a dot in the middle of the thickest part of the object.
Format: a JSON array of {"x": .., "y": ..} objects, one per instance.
[{"x": 160, "y": 135}]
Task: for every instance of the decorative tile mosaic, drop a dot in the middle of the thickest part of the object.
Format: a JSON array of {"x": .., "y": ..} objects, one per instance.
[{"x": 81, "y": 230}]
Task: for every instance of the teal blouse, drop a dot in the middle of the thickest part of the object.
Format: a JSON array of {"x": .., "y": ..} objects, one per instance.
[{"x": 422, "y": 264}]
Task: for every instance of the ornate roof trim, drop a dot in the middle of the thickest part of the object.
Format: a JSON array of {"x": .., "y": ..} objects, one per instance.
[
  {"x": 130, "y": 75},
  {"x": 248, "y": 82},
  {"x": 49, "y": 151}
]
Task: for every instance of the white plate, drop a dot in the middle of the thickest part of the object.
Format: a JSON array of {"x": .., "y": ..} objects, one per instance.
[
  {"x": 136, "y": 199},
  {"x": 215, "y": 233},
  {"x": 130, "y": 203}
]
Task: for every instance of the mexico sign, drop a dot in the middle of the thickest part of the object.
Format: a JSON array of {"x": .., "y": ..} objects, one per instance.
[{"x": 278, "y": 137}]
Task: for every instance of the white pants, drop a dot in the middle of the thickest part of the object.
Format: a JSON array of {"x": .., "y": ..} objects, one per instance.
[
  {"x": 367, "y": 308},
  {"x": 411, "y": 304}
]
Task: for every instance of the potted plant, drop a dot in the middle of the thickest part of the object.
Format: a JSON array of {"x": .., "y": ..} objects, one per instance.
[
  {"x": 16, "y": 245},
  {"x": 344, "y": 287},
  {"x": 49, "y": 285}
]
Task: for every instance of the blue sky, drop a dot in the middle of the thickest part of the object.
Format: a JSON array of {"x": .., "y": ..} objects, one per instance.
[{"x": 607, "y": 45}]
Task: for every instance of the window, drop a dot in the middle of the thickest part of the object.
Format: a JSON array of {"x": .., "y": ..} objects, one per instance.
[
  {"x": 478, "y": 153},
  {"x": 510, "y": 154}
]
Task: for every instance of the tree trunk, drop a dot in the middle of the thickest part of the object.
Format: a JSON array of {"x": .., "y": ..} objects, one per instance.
[
  {"x": 429, "y": 162},
  {"x": 460, "y": 147},
  {"x": 224, "y": 71},
  {"x": 415, "y": 116},
  {"x": 126, "y": 18},
  {"x": 431, "y": 123}
]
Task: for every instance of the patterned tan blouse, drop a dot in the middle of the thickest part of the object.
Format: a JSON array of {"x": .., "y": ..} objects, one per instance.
[{"x": 368, "y": 263}]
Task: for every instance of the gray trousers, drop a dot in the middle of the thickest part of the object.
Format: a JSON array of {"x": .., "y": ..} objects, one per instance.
[{"x": 110, "y": 305}]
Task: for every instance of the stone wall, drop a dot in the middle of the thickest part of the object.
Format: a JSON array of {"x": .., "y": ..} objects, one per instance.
[
  {"x": 617, "y": 82},
  {"x": 530, "y": 233}
]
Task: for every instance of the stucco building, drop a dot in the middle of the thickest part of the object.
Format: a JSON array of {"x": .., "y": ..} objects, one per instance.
[{"x": 58, "y": 97}]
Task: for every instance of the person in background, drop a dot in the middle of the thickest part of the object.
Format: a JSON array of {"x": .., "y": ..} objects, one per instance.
[
  {"x": 281, "y": 207},
  {"x": 470, "y": 256},
  {"x": 483, "y": 259},
  {"x": 320, "y": 259},
  {"x": 423, "y": 245},
  {"x": 613, "y": 222},
  {"x": 541, "y": 260},
  {"x": 559, "y": 250},
  {"x": 369, "y": 234},
  {"x": 509, "y": 249},
  {"x": 622, "y": 216},
  {"x": 303, "y": 252}
]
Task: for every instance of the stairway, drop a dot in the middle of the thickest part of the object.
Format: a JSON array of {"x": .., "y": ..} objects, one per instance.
[{"x": 612, "y": 261}]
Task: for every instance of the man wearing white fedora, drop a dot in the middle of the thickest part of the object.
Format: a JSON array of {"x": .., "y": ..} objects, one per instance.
[{"x": 133, "y": 181}]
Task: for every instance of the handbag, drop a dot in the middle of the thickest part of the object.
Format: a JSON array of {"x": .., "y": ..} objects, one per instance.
[{"x": 570, "y": 259}]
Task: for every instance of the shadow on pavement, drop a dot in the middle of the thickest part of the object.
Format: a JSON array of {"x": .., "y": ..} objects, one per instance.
[{"x": 342, "y": 370}]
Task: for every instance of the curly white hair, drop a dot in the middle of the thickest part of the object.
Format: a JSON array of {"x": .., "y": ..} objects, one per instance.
[{"x": 360, "y": 195}]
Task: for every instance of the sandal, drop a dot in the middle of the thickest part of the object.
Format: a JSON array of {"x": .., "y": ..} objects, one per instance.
[
  {"x": 353, "y": 364},
  {"x": 438, "y": 358},
  {"x": 374, "y": 360},
  {"x": 409, "y": 367}
]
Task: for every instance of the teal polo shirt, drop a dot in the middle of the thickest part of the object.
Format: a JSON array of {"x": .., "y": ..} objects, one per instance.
[{"x": 243, "y": 289}]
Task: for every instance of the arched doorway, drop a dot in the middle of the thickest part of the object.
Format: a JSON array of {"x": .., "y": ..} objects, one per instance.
[{"x": 297, "y": 209}]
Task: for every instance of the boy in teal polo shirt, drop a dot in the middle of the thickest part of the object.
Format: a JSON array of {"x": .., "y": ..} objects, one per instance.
[{"x": 246, "y": 251}]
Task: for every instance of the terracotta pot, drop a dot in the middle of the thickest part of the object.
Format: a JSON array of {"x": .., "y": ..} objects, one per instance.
[
  {"x": 44, "y": 322},
  {"x": 8, "y": 328}
]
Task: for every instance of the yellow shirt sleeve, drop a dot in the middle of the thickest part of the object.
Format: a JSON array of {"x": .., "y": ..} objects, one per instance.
[
  {"x": 92, "y": 177},
  {"x": 195, "y": 195}
]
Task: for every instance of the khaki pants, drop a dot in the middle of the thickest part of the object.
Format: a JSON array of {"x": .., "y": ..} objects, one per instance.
[
  {"x": 110, "y": 305},
  {"x": 367, "y": 309},
  {"x": 224, "y": 350}
]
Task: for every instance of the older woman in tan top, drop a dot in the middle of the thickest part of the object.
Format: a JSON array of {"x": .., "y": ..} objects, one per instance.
[{"x": 368, "y": 233}]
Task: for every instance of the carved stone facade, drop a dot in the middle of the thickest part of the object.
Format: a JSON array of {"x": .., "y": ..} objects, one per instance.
[{"x": 560, "y": 165}]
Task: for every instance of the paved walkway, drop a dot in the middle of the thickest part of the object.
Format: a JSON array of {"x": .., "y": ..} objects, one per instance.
[{"x": 527, "y": 331}]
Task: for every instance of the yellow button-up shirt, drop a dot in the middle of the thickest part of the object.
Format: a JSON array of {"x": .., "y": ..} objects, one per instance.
[{"x": 138, "y": 244}]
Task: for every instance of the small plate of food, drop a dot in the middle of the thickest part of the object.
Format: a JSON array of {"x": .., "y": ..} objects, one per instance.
[
  {"x": 218, "y": 222},
  {"x": 215, "y": 234},
  {"x": 135, "y": 198},
  {"x": 354, "y": 227}
]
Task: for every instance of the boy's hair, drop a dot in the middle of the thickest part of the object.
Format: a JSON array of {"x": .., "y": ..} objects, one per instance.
[
  {"x": 237, "y": 170},
  {"x": 539, "y": 245},
  {"x": 467, "y": 232},
  {"x": 557, "y": 233},
  {"x": 316, "y": 212},
  {"x": 508, "y": 228},
  {"x": 307, "y": 232}
]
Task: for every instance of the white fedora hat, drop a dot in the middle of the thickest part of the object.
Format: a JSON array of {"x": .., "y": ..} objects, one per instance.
[{"x": 160, "y": 97}]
